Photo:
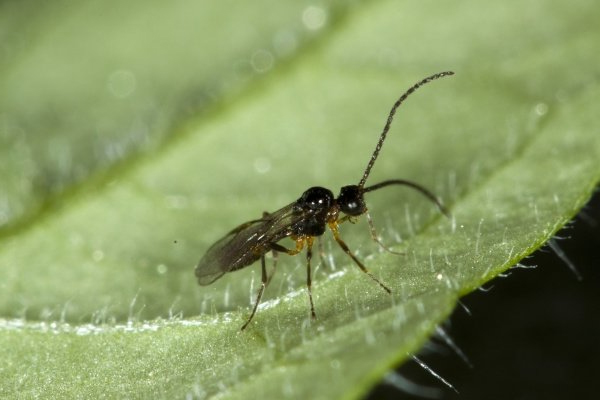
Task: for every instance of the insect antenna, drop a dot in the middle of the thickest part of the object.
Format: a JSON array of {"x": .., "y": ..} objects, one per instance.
[
  {"x": 432, "y": 197},
  {"x": 388, "y": 123}
]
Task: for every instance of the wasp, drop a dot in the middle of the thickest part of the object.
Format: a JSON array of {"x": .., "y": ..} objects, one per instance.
[{"x": 303, "y": 221}]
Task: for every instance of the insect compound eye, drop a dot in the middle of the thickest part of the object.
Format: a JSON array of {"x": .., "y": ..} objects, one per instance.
[
  {"x": 351, "y": 200},
  {"x": 316, "y": 198}
]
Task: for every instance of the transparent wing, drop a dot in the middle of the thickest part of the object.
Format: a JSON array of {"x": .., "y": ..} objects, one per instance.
[{"x": 245, "y": 244}]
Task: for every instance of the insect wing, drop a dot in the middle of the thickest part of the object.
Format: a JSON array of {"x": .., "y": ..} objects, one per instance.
[{"x": 245, "y": 244}]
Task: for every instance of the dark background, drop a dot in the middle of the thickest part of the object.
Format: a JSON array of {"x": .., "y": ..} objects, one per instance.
[{"x": 534, "y": 334}]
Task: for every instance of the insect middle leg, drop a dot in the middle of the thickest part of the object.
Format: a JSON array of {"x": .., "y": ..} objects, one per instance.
[
  {"x": 300, "y": 242},
  {"x": 309, "y": 244}
]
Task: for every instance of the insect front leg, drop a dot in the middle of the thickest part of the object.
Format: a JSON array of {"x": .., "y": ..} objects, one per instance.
[
  {"x": 375, "y": 236},
  {"x": 263, "y": 284},
  {"x": 336, "y": 235}
]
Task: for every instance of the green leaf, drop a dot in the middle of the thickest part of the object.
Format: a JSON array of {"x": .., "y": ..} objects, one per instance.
[{"x": 97, "y": 291}]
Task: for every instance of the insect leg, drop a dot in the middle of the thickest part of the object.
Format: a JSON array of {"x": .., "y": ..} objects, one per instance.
[
  {"x": 300, "y": 242},
  {"x": 322, "y": 252},
  {"x": 260, "y": 291},
  {"x": 375, "y": 236},
  {"x": 344, "y": 246},
  {"x": 291, "y": 252},
  {"x": 275, "y": 254},
  {"x": 347, "y": 218},
  {"x": 309, "y": 244},
  {"x": 276, "y": 248}
]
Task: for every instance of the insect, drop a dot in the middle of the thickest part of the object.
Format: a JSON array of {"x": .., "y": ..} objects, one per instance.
[{"x": 303, "y": 221}]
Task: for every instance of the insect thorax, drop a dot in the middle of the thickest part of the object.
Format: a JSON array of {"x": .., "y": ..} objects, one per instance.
[{"x": 312, "y": 210}]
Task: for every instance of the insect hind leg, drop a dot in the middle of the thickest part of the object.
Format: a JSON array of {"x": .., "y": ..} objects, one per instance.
[
  {"x": 277, "y": 248},
  {"x": 263, "y": 284},
  {"x": 275, "y": 254}
]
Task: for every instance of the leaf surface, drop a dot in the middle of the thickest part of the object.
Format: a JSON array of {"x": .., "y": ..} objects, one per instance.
[{"x": 98, "y": 296}]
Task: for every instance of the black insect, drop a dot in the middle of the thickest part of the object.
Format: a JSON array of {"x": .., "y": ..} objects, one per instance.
[{"x": 302, "y": 221}]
